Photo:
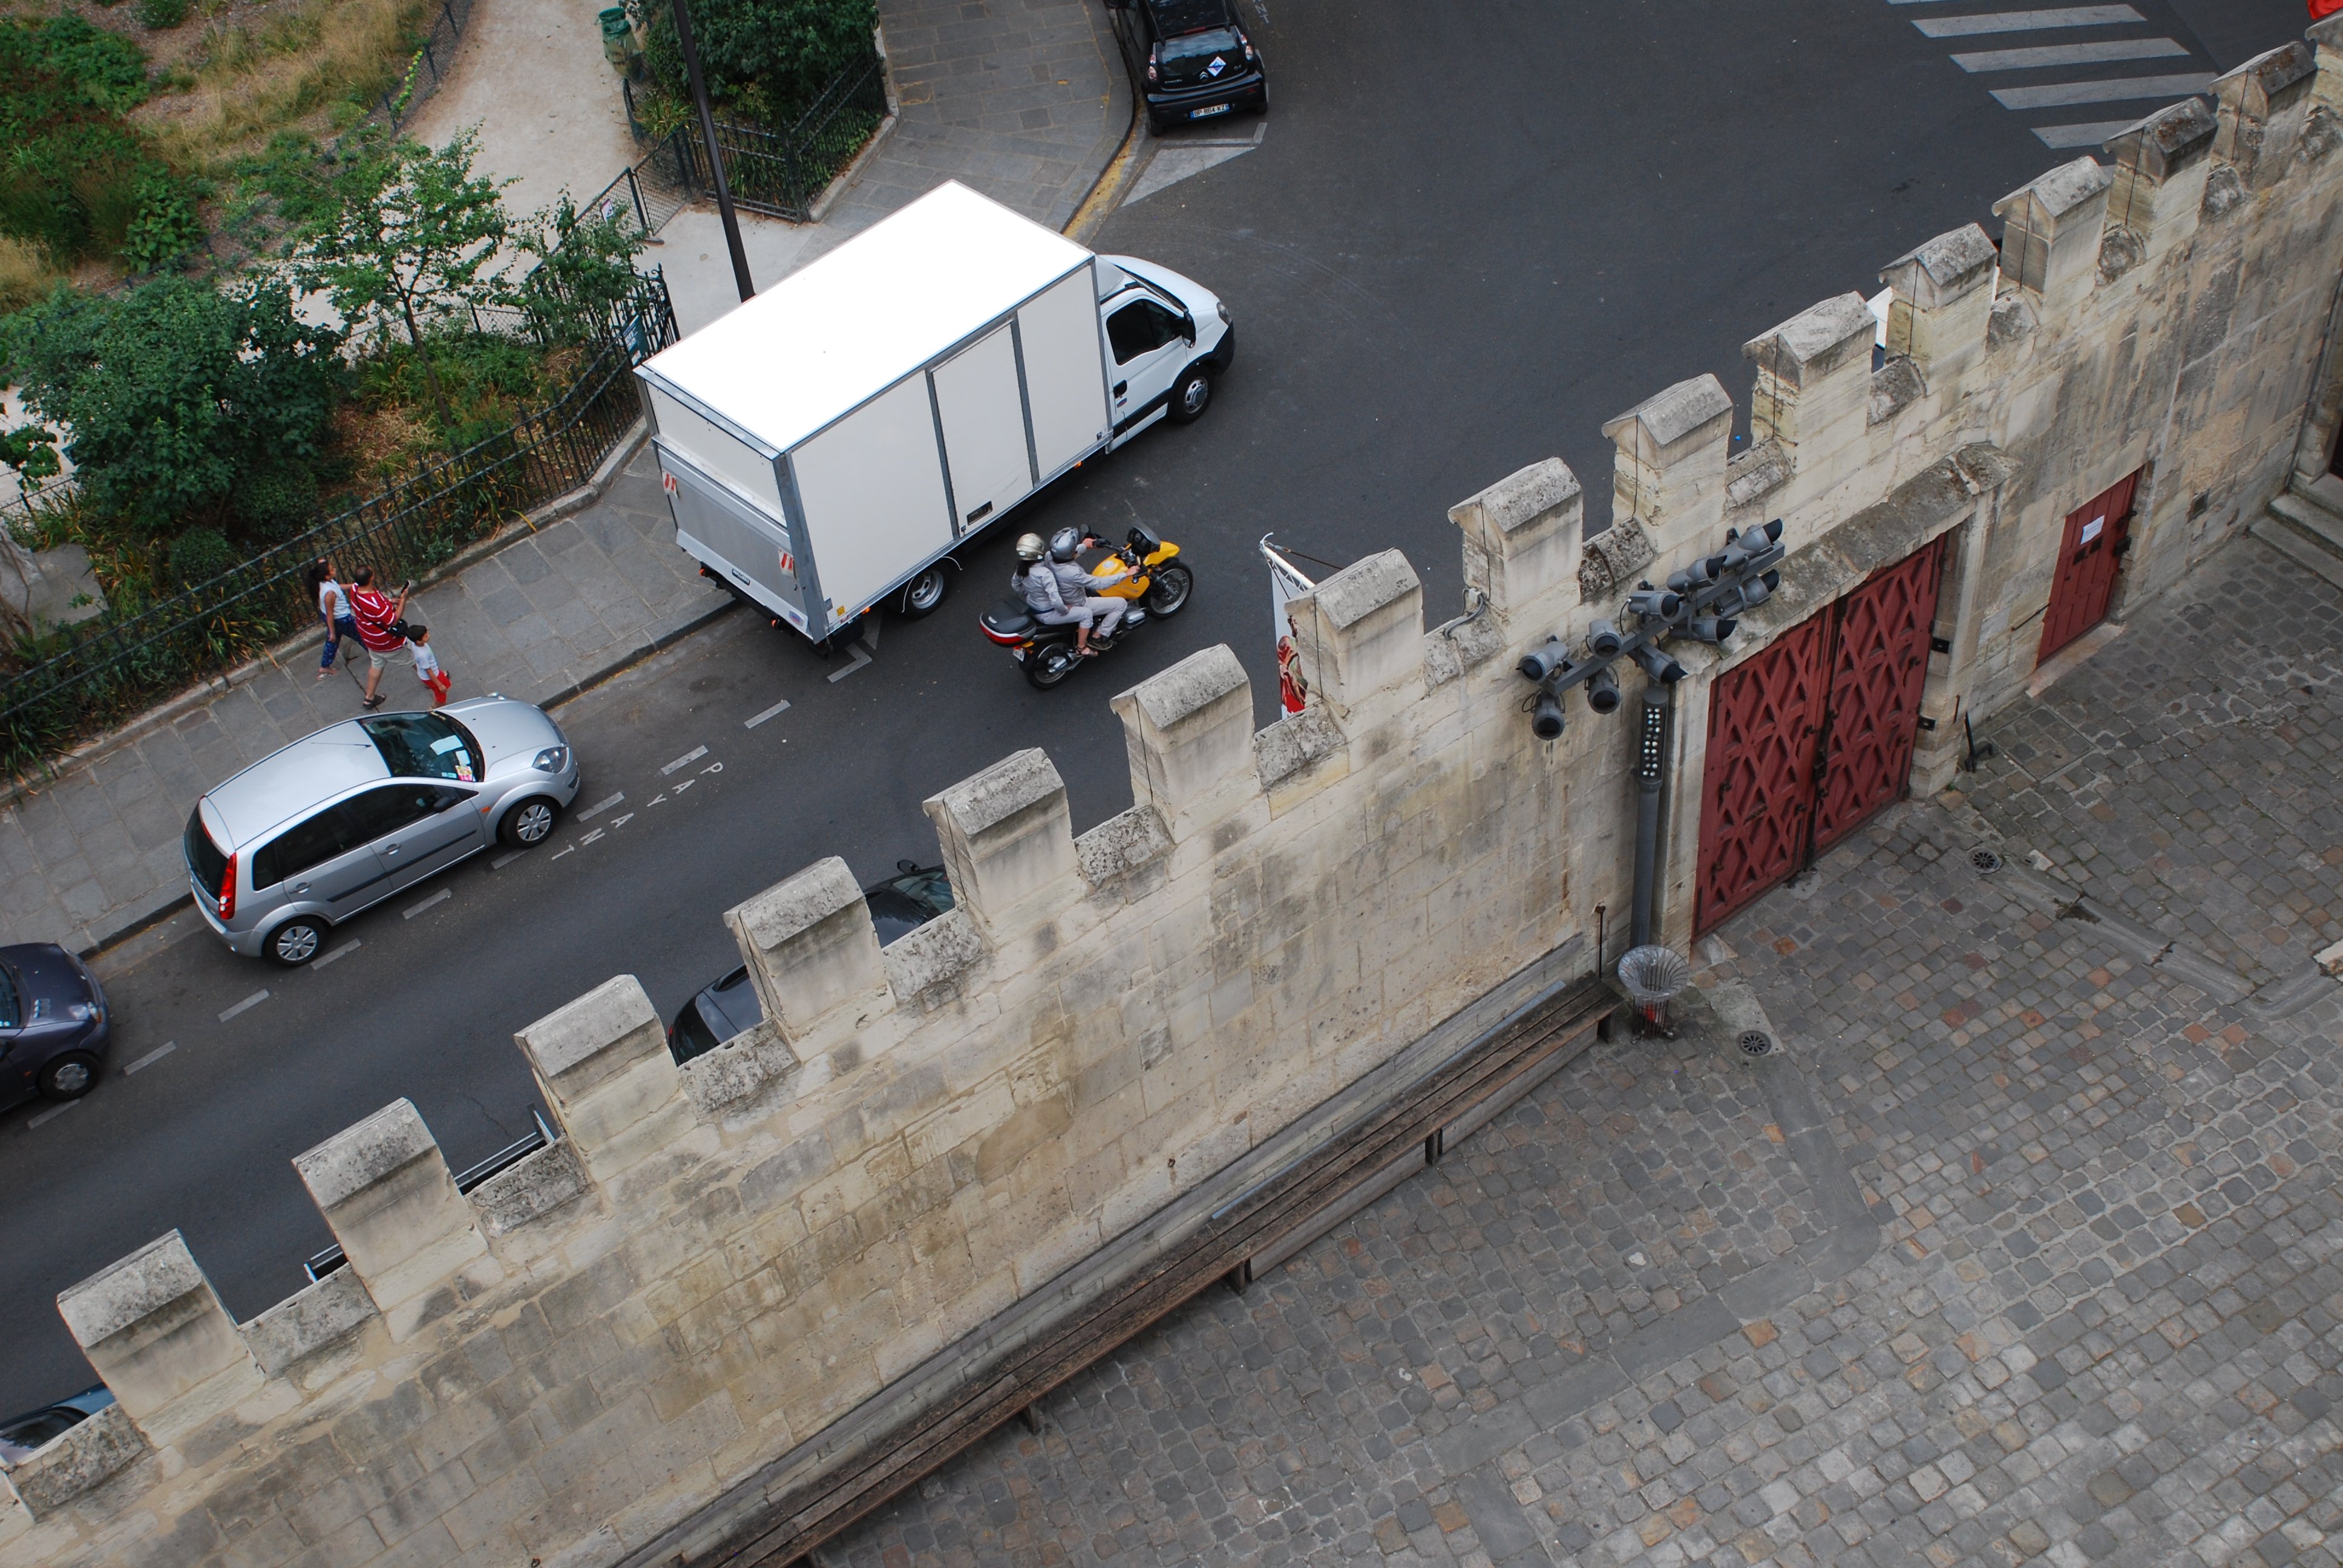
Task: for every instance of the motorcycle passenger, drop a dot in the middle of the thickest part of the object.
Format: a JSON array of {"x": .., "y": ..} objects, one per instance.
[
  {"x": 1035, "y": 579},
  {"x": 1075, "y": 585}
]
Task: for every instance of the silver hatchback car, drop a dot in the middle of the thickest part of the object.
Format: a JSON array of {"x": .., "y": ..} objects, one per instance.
[{"x": 308, "y": 836}]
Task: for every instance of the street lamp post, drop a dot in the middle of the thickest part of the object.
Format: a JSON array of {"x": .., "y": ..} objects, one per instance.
[
  {"x": 1702, "y": 602},
  {"x": 715, "y": 153}
]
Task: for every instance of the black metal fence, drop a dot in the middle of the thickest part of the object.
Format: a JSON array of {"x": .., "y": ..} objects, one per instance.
[
  {"x": 428, "y": 66},
  {"x": 112, "y": 666},
  {"x": 780, "y": 172}
]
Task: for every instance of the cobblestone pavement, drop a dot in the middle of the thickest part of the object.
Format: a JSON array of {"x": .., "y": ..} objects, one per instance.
[
  {"x": 2100, "y": 1321},
  {"x": 97, "y": 848}
]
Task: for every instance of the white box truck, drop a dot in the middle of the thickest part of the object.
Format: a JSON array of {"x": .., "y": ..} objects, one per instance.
[{"x": 825, "y": 447}]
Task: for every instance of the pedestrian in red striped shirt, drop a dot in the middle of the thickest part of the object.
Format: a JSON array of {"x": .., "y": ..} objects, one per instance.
[{"x": 380, "y": 627}]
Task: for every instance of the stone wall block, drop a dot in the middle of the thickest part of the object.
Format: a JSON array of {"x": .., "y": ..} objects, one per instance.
[
  {"x": 2051, "y": 232},
  {"x": 1941, "y": 299},
  {"x": 2326, "y": 84},
  {"x": 2159, "y": 176},
  {"x": 1522, "y": 547},
  {"x": 1008, "y": 842},
  {"x": 603, "y": 1064},
  {"x": 1669, "y": 473},
  {"x": 1813, "y": 380},
  {"x": 77, "y": 1461},
  {"x": 1361, "y": 639},
  {"x": 387, "y": 1195},
  {"x": 1188, "y": 732},
  {"x": 155, "y": 1331},
  {"x": 2263, "y": 104},
  {"x": 813, "y": 956}
]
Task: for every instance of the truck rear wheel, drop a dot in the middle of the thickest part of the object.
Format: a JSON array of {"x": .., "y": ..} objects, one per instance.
[{"x": 923, "y": 593}]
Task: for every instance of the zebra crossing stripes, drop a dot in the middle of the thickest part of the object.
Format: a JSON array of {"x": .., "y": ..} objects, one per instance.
[
  {"x": 2069, "y": 54},
  {"x": 2146, "y": 89},
  {"x": 2025, "y": 21}
]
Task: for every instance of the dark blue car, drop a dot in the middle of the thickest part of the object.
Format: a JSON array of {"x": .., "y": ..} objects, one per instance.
[{"x": 53, "y": 1024}]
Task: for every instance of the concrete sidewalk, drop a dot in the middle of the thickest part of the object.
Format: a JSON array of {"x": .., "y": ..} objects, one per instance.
[
  {"x": 1025, "y": 102},
  {"x": 96, "y": 853}
]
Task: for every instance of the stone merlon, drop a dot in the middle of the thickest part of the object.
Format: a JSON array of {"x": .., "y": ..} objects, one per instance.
[
  {"x": 1661, "y": 421},
  {"x": 1947, "y": 266},
  {"x": 1816, "y": 341},
  {"x": 137, "y": 1287},
  {"x": 359, "y": 1156}
]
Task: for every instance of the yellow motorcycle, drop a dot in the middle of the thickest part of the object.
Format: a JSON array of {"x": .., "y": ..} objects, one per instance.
[{"x": 1158, "y": 586}]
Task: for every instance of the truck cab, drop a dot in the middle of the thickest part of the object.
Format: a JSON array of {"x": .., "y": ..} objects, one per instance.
[{"x": 1166, "y": 338}]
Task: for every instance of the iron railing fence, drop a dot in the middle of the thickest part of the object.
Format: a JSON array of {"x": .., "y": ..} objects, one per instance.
[
  {"x": 427, "y": 68},
  {"x": 112, "y": 666},
  {"x": 778, "y": 171}
]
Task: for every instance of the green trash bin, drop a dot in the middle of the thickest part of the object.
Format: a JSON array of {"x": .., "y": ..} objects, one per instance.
[{"x": 618, "y": 37}]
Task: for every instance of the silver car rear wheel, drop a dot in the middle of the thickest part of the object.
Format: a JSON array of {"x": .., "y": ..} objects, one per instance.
[{"x": 295, "y": 942}]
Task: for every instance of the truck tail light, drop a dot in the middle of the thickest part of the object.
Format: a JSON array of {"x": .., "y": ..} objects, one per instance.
[{"x": 228, "y": 891}]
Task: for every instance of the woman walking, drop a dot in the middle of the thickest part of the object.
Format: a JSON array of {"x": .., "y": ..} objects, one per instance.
[{"x": 333, "y": 609}]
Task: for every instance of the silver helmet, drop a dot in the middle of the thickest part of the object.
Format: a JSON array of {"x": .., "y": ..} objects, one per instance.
[
  {"x": 1030, "y": 548},
  {"x": 1065, "y": 544}
]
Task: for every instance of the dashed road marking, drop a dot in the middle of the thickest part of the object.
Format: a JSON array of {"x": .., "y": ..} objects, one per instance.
[
  {"x": 441, "y": 897},
  {"x": 50, "y": 1114},
  {"x": 2094, "y": 54},
  {"x": 254, "y": 999},
  {"x": 860, "y": 659},
  {"x": 598, "y": 807},
  {"x": 152, "y": 1057},
  {"x": 2026, "y": 21},
  {"x": 686, "y": 760},
  {"x": 345, "y": 950},
  {"x": 507, "y": 859},
  {"x": 2057, "y": 94},
  {"x": 775, "y": 712}
]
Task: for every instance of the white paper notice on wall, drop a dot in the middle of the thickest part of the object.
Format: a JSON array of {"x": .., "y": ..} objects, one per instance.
[{"x": 2092, "y": 529}]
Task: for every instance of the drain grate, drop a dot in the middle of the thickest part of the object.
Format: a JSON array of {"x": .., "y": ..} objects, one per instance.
[
  {"x": 1756, "y": 1042},
  {"x": 1985, "y": 862}
]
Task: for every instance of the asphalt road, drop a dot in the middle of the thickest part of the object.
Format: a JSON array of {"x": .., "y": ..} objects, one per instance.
[{"x": 1470, "y": 234}]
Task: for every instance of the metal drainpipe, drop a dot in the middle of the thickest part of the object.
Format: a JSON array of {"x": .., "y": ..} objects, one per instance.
[
  {"x": 1651, "y": 774},
  {"x": 690, "y": 51}
]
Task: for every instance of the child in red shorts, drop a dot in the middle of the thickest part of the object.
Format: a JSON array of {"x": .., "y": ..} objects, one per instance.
[{"x": 426, "y": 664}]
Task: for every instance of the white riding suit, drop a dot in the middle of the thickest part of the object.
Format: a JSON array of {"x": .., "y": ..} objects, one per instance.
[
  {"x": 1048, "y": 602},
  {"x": 1074, "y": 586}
]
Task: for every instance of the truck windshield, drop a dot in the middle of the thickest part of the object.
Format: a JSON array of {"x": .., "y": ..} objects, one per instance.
[{"x": 424, "y": 745}]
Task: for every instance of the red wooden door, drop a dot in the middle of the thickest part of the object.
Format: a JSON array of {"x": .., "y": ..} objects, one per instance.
[
  {"x": 2089, "y": 555},
  {"x": 1810, "y": 737},
  {"x": 1757, "y": 786},
  {"x": 1878, "y": 666}
]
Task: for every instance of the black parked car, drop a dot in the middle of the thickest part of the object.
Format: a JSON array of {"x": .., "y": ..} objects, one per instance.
[
  {"x": 904, "y": 903},
  {"x": 1200, "y": 63},
  {"x": 53, "y": 1024},
  {"x": 21, "y": 1434}
]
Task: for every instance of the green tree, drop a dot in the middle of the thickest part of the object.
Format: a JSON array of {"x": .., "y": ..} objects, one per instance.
[
  {"x": 174, "y": 394},
  {"x": 764, "y": 57},
  {"x": 582, "y": 268},
  {"x": 403, "y": 238}
]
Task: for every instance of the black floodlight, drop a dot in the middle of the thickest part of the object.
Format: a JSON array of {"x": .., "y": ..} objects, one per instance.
[
  {"x": 1603, "y": 640},
  {"x": 1659, "y": 666},
  {"x": 1603, "y": 691},
  {"x": 1545, "y": 660},
  {"x": 1545, "y": 717},
  {"x": 1697, "y": 575},
  {"x": 1710, "y": 628},
  {"x": 1655, "y": 604}
]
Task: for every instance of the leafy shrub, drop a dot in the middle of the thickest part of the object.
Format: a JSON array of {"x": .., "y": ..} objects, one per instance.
[
  {"x": 70, "y": 176},
  {"x": 200, "y": 555},
  {"x": 762, "y": 58},
  {"x": 163, "y": 227},
  {"x": 161, "y": 16},
  {"x": 276, "y": 504},
  {"x": 175, "y": 393}
]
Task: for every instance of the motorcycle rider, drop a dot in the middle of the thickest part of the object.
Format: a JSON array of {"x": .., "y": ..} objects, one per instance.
[
  {"x": 1076, "y": 586},
  {"x": 1036, "y": 580}
]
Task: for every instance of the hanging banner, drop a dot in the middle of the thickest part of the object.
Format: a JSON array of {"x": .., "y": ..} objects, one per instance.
[{"x": 1285, "y": 581}]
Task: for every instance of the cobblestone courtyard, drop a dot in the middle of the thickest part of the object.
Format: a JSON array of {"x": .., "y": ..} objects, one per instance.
[{"x": 2078, "y": 1302}]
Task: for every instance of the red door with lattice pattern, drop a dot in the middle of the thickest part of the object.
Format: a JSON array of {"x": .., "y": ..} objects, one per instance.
[
  {"x": 2089, "y": 553},
  {"x": 1757, "y": 787},
  {"x": 1810, "y": 737},
  {"x": 1878, "y": 666}
]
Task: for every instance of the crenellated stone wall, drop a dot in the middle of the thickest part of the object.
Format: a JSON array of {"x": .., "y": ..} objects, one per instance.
[{"x": 765, "y": 1263}]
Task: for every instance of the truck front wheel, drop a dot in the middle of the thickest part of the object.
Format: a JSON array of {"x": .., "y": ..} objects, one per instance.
[{"x": 1192, "y": 395}]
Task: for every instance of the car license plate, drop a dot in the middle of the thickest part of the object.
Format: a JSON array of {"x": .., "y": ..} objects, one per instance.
[{"x": 1205, "y": 113}]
